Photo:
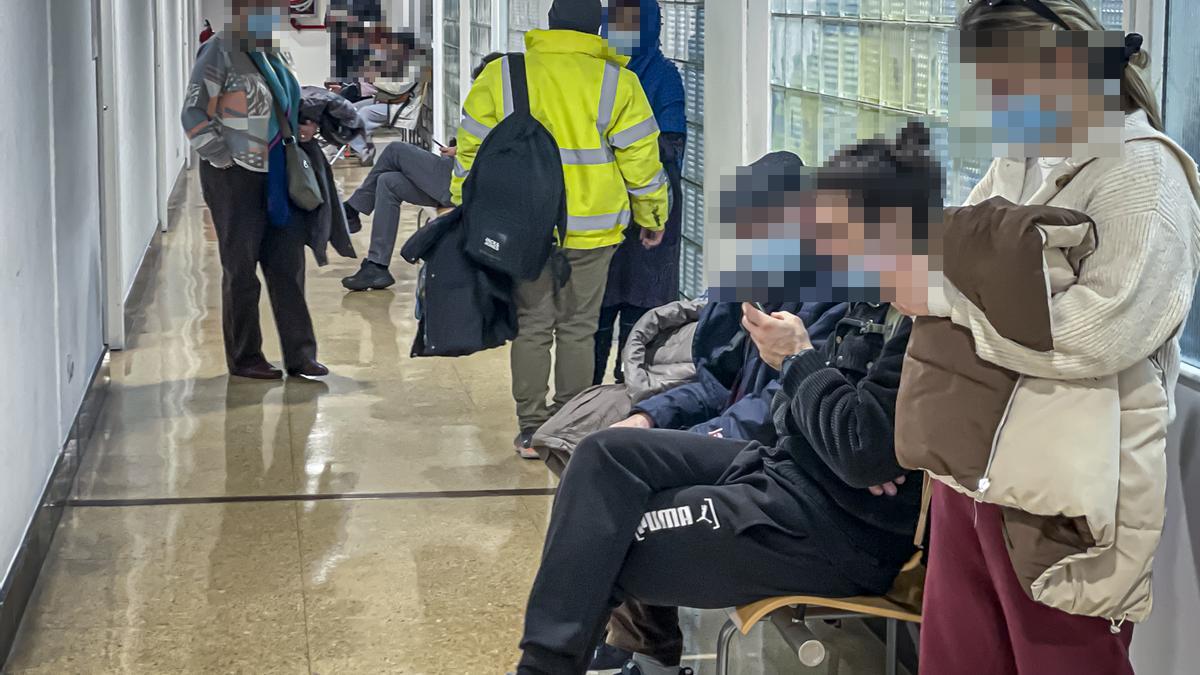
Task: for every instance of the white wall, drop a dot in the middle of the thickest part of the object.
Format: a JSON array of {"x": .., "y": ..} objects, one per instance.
[
  {"x": 53, "y": 284},
  {"x": 135, "y": 117},
  {"x": 76, "y": 181},
  {"x": 173, "y": 48},
  {"x": 29, "y": 397}
]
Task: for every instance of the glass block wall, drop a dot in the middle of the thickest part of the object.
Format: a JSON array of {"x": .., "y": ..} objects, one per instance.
[
  {"x": 450, "y": 67},
  {"x": 1182, "y": 117},
  {"x": 481, "y": 30},
  {"x": 843, "y": 70},
  {"x": 523, "y": 16},
  {"x": 683, "y": 44}
]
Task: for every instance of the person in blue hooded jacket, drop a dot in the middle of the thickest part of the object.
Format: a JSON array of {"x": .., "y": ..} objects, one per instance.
[{"x": 641, "y": 279}]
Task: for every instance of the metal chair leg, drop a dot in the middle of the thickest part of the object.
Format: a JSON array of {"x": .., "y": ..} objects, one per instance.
[
  {"x": 724, "y": 646},
  {"x": 892, "y": 646}
]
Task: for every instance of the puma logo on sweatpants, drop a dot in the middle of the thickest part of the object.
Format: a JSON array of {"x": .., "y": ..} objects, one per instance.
[{"x": 676, "y": 517}]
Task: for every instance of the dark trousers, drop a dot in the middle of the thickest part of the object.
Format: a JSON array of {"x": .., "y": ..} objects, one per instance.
[
  {"x": 625, "y": 316},
  {"x": 402, "y": 173},
  {"x": 979, "y": 621},
  {"x": 673, "y": 519},
  {"x": 237, "y": 199}
]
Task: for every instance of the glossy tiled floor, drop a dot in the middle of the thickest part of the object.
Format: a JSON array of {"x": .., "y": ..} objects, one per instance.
[{"x": 408, "y": 584}]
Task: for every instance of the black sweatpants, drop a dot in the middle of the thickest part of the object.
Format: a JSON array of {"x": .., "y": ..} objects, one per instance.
[
  {"x": 672, "y": 519},
  {"x": 237, "y": 199}
]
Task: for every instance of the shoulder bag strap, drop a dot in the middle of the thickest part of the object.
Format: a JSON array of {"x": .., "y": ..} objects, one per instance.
[
  {"x": 285, "y": 124},
  {"x": 520, "y": 83}
]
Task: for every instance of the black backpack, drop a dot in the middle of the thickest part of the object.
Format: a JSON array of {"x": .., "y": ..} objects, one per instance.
[{"x": 515, "y": 198}]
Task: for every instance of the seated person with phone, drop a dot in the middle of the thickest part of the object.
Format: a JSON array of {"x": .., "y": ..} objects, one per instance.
[{"x": 672, "y": 518}]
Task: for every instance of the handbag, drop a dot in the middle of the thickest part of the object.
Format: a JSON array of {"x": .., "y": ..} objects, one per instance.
[{"x": 303, "y": 187}]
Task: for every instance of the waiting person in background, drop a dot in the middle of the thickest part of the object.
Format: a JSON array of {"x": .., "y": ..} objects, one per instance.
[
  {"x": 404, "y": 173},
  {"x": 386, "y": 66},
  {"x": 229, "y": 116},
  {"x": 641, "y": 279},
  {"x": 677, "y": 519},
  {"x": 604, "y": 126}
]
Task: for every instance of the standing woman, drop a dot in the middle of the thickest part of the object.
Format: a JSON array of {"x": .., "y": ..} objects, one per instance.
[
  {"x": 1120, "y": 318},
  {"x": 230, "y": 116},
  {"x": 641, "y": 278}
]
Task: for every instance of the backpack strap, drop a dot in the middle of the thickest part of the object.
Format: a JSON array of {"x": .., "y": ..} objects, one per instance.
[{"x": 518, "y": 83}]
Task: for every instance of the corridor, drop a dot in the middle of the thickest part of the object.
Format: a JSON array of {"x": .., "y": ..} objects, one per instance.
[{"x": 374, "y": 522}]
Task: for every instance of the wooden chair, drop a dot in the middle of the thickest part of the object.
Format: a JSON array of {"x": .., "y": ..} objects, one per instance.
[{"x": 788, "y": 614}]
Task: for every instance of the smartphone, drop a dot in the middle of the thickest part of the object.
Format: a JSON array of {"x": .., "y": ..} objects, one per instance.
[{"x": 759, "y": 307}]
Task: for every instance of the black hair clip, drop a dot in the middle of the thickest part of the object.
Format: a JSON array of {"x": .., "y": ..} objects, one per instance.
[{"x": 1133, "y": 45}]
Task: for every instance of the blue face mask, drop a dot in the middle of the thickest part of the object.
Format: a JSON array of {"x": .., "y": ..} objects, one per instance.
[
  {"x": 625, "y": 41},
  {"x": 262, "y": 23},
  {"x": 1019, "y": 118}
]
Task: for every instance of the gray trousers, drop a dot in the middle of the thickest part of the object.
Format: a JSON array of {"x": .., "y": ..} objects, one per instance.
[
  {"x": 373, "y": 115},
  {"x": 402, "y": 173}
]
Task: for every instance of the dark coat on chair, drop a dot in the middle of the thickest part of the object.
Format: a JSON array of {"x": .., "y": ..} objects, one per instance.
[
  {"x": 327, "y": 225},
  {"x": 462, "y": 308}
]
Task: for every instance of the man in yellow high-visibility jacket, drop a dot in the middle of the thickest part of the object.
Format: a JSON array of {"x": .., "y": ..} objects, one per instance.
[{"x": 599, "y": 115}]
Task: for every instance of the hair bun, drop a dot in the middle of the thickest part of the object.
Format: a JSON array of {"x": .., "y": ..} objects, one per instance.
[{"x": 912, "y": 142}]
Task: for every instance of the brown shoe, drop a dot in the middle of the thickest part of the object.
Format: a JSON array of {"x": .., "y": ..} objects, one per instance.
[
  {"x": 310, "y": 369},
  {"x": 260, "y": 371}
]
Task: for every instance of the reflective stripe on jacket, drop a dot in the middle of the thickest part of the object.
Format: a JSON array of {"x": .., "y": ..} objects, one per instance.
[{"x": 599, "y": 115}]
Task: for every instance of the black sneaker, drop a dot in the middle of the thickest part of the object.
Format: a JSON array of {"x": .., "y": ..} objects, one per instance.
[
  {"x": 353, "y": 218},
  {"x": 523, "y": 444},
  {"x": 609, "y": 659},
  {"x": 371, "y": 276},
  {"x": 632, "y": 668}
]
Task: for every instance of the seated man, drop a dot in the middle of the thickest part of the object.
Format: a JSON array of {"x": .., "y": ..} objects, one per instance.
[
  {"x": 731, "y": 395},
  {"x": 677, "y": 519},
  {"x": 403, "y": 173}
]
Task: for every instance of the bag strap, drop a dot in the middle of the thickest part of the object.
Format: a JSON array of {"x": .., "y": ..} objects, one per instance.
[
  {"x": 519, "y": 81},
  {"x": 285, "y": 123}
]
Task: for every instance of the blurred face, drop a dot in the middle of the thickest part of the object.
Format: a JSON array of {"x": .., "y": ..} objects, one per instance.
[
  {"x": 817, "y": 246},
  {"x": 259, "y": 22},
  {"x": 624, "y": 27},
  {"x": 1026, "y": 94}
]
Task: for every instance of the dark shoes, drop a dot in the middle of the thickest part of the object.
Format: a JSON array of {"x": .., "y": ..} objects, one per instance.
[
  {"x": 523, "y": 444},
  {"x": 310, "y": 369},
  {"x": 608, "y": 658},
  {"x": 353, "y": 218},
  {"x": 371, "y": 276},
  {"x": 259, "y": 371}
]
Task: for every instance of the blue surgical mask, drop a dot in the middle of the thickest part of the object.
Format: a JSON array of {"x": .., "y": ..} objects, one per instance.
[
  {"x": 625, "y": 41},
  {"x": 261, "y": 24},
  {"x": 1019, "y": 118}
]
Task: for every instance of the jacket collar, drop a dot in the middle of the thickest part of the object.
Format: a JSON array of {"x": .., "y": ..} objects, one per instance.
[
  {"x": 1011, "y": 172},
  {"x": 572, "y": 42}
]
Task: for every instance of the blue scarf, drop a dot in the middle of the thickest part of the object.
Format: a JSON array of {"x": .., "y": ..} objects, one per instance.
[
  {"x": 286, "y": 90},
  {"x": 660, "y": 78}
]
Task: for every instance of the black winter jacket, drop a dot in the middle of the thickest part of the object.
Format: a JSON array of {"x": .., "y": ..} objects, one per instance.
[
  {"x": 836, "y": 417},
  {"x": 462, "y": 308}
]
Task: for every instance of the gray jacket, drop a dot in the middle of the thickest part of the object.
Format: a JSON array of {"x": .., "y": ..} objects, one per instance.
[{"x": 657, "y": 357}]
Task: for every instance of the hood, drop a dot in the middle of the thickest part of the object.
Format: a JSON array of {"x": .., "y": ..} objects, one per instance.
[
  {"x": 572, "y": 42},
  {"x": 651, "y": 33}
]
